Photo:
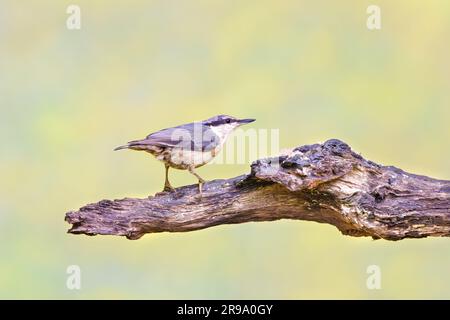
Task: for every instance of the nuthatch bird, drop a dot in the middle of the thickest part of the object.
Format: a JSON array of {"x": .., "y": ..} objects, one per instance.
[{"x": 188, "y": 146}]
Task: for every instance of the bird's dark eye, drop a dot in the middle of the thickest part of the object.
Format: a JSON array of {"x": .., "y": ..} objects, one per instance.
[{"x": 228, "y": 120}]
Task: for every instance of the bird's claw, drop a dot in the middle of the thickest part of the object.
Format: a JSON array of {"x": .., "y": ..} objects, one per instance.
[
  {"x": 200, "y": 187},
  {"x": 168, "y": 189}
]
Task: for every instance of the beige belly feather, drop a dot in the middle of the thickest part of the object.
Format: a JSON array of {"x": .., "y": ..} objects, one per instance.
[{"x": 184, "y": 158}]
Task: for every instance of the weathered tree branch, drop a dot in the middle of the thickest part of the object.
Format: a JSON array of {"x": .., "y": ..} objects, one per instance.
[{"x": 326, "y": 183}]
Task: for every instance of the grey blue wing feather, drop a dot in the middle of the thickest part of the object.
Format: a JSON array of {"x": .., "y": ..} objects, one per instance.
[{"x": 192, "y": 136}]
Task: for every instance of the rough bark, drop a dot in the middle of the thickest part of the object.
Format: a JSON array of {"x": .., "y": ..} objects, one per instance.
[{"x": 326, "y": 183}]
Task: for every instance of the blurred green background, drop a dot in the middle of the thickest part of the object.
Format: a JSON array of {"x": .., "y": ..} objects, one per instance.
[{"x": 309, "y": 68}]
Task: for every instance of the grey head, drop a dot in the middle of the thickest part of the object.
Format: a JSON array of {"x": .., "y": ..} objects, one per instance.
[
  {"x": 223, "y": 125},
  {"x": 224, "y": 120}
]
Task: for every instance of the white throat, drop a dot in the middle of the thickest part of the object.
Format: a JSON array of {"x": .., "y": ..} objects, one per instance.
[{"x": 224, "y": 130}]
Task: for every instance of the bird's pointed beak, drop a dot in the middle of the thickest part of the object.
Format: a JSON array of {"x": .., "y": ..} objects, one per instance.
[{"x": 244, "y": 121}]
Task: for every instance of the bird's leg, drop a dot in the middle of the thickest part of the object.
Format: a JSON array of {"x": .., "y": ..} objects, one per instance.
[
  {"x": 200, "y": 179},
  {"x": 167, "y": 186}
]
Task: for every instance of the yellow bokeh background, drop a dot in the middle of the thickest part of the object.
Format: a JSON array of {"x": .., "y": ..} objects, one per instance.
[{"x": 311, "y": 69}]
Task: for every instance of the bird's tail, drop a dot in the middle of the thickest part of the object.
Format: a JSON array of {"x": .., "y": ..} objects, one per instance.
[
  {"x": 134, "y": 145},
  {"x": 125, "y": 146}
]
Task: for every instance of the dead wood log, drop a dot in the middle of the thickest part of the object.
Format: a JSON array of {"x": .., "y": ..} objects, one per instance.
[{"x": 327, "y": 183}]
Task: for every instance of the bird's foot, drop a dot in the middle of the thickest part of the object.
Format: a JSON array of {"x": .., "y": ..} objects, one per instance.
[
  {"x": 201, "y": 182},
  {"x": 168, "y": 188}
]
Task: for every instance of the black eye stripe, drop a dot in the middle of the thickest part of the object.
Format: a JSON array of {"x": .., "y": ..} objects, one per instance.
[{"x": 222, "y": 121}]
